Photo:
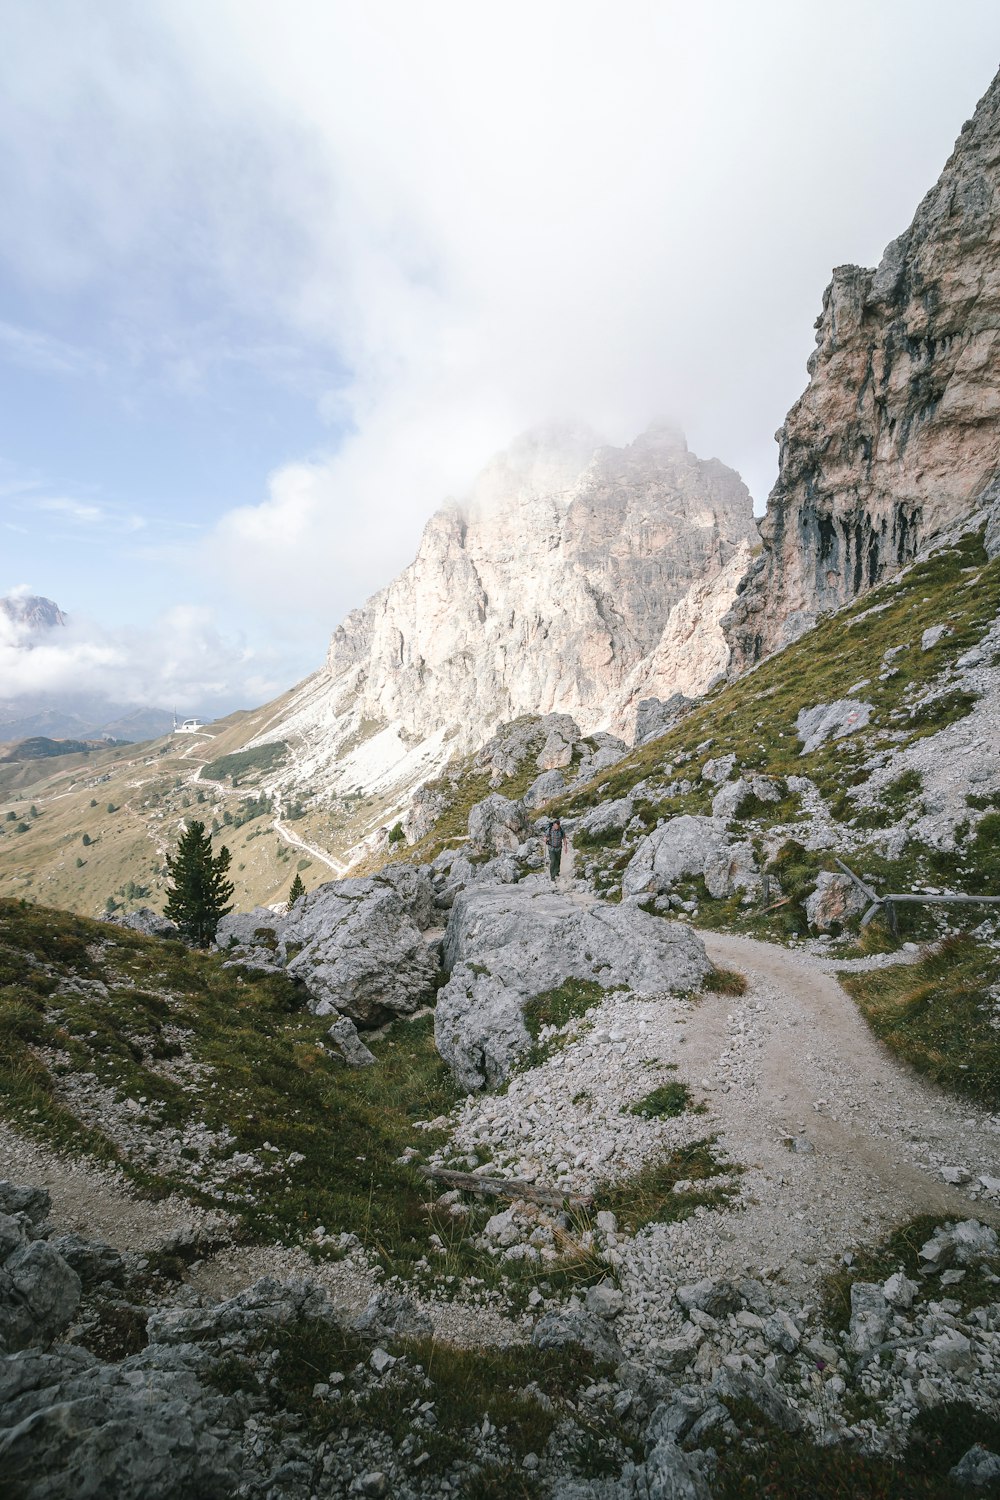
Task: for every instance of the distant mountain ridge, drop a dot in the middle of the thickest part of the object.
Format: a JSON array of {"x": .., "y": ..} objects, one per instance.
[{"x": 80, "y": 716}]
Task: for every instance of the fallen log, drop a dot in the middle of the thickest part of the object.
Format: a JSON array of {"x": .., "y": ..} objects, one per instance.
[{"x": 507, "y": 1187}]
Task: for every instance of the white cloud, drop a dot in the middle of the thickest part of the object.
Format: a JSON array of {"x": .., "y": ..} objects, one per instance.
[
  {"x": 74, "y": 510},
  {"x": 544, "y": 211},
  {"x": 183, "y": 658}
]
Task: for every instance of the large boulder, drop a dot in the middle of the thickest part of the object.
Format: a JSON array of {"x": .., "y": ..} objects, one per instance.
[
  {"x": 574, "y": 1327},
  {"x": 505, "y": 944},
  {"x": 361, "y": 953},
  {"x": 835, "y": 899},
  {"x": 684, "y": 848},
  {"x": 39, "y": 1290},
  {"x": 831, "y": 721},
  {"x": 544, "y": 788},
  {"x": 602, "y": 822},
  {"x": 355, "y": 945},
  {"x": 557, "y": 751},
  {"x": 654, "y": 716},
  {"x": 497, "y": 825},
  {"x": 145, "y": 1429}
]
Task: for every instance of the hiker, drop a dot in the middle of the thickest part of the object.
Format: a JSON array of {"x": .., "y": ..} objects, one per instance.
[{"x": 554, "y": 840}]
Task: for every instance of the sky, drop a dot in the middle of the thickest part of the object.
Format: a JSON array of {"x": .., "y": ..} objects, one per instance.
[{"x": 275, "y": 280}]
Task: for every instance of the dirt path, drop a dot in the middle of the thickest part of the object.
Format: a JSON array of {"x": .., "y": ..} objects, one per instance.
[
  {"x": 793, "y": 1061},
  {"x": 96, "y": 1203},
  {"x": 284, "y": 832}
]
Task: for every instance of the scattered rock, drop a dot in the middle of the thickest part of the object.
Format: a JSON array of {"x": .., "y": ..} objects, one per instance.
[
  {"x": 899, "y": 1290},
  {"x": 393, "y": 1315},
  {"x": 145, "y": 920},
  {"x": 344, "y": 1037},
  {"x": 565, "y": 1326},
  {"x": 870, "y": 1316},
  {"x": 831, "y": 721}
]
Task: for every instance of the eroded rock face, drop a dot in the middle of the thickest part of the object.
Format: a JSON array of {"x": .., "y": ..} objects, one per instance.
[
  {"x": 505, "y": 944},
  {"x": 550, "y": 586},
  {"x": 898, "y": 432}
]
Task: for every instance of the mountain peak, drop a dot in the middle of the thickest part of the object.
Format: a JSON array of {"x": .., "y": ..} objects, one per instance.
[{"x": 32, "y": 611}]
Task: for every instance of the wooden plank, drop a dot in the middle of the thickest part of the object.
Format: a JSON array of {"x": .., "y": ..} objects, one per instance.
[
  {"x": 857, "y": 881},
  {"x": 507, "y": 1187},
  {"x": 946, "y": 900}
]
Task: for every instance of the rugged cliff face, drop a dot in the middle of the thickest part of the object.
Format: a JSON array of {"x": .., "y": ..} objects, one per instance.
[
  {"x": 898, "y": 431},
  {"x": 560, "y": 585}
]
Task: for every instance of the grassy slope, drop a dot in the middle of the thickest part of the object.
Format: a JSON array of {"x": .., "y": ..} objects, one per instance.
[
  {"x": 261, "y": 1074},
  {"x": 151, "y": 787}
]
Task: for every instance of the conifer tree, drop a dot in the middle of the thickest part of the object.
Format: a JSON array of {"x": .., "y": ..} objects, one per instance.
[
  {"x": 198, "y": 890},
  {"x": 297, "y": 890}
]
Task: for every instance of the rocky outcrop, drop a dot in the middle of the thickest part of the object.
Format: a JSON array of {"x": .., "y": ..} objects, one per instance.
[
  {"x": 505, "y": 944},
  {"x": 39, "y": 1290},
  {"x": 145, "y": 920},
  {"x": 898, "y": 432},
  {"x": 687, "y": 847},
  {"x": 357, "y": 946}
]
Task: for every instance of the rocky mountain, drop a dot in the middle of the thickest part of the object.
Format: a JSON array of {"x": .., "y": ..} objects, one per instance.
[
  {"x": 550, "y": 589},
  {"x": 31, "y": 612},
  {"x": 898, "y": 431},
  {"x": 574, "y": 578}
]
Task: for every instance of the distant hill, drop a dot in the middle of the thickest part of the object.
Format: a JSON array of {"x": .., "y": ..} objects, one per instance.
[
  {"x": 39, "y": 747},
  {"x": 60, "y": 716},
  {"x": 79, "y": 716}
]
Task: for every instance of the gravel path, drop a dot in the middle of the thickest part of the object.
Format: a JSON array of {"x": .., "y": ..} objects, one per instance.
[
  {"x": 838, "y": 1142},
  {"x": 95, "y": 1202}
]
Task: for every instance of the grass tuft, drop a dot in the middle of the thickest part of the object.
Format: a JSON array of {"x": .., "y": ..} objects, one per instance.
[{"x": 940, "y": 1015}]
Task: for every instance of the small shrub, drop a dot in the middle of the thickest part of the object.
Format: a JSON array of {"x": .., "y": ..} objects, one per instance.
[
  {"x": 665, "y": 1103},
  {"x": 725, "y": 982}
]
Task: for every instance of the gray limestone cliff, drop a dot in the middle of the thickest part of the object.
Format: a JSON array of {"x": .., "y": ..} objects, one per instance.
[
  {"x": 897, "y": 434},
  {"x": 564, "y": 583}
]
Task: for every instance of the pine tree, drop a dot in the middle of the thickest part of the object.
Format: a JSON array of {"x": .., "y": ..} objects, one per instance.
[
  {"x": 297, "y": 890},
  {"x": 198, "y": 890}
]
